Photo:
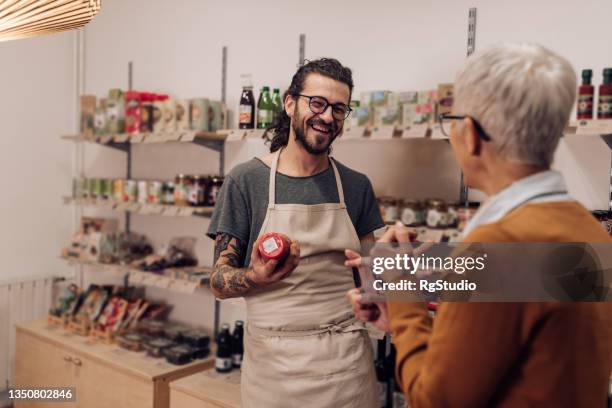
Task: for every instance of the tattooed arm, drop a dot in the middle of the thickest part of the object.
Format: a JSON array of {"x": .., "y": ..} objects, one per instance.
[{"x": 229, "y": 279}]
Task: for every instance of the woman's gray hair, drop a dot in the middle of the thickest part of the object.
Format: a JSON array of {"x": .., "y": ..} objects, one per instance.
[{"x": 522, "y": 95}]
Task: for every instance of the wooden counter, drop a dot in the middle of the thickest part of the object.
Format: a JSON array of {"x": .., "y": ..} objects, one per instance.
[
  {"x": 104, "y": 375},
  {"x": 206, "y": 389}
]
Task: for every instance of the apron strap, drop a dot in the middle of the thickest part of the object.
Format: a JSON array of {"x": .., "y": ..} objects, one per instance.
[
  {"x": 338, "y": 182},
  {"x": 272, "y": 186}
]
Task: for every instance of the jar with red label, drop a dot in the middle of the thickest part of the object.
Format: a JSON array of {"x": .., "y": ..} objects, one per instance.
[
  {"x": 273, "y": 245},
  {"x": 132, "y": 112}
]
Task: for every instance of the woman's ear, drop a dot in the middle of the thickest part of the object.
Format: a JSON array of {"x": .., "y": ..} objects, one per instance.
[{"x": 472, "y": 139}]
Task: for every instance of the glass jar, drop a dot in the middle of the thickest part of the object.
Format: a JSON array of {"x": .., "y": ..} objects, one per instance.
[
  {"x": 106, "y": 189},
  {"x": 168, "y": 193},
  {"x": 130, "y": 191},
  {"x": 181, "y": 189},
  {"x": 437, "y": 213},
  {"x": 412, "y": 213},
  {"x": 214, "y": 187},
  {"x": 118, "y": 187},
  {"x": 143, "y": 191},
  {"x": 154, "y": 190}
]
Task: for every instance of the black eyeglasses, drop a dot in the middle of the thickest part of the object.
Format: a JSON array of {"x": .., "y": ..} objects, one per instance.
[
  {"x": 319, "y": 104},
  {"x": 445, "y": 120}
]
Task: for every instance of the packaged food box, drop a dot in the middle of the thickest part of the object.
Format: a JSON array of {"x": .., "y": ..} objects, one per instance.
[
  {"x": 407, "y": 97},
  {"x": 132, "y": 112},
  {"x": 88, "y": 114},
  {"x": 156, "y": 347},
  {"x": 379, "y": 98},
  {"x": 158, "y": 113},
  {"x": 100, "y": 122},
  {"x": 115, "y": 111},
  {"x": 408, "y": 114},
  {"x": 362, "y": 116},
  {"x": 386, "y": 115},
  {"x": 425, "y": 107}
]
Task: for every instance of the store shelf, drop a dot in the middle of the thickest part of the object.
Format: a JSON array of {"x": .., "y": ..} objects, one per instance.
[
  {"x": 144, "y": 209},
  {"x": 136, "y": 364},
  {"x": 213, "y": 140},
  {"x": 145, "y": 278}
]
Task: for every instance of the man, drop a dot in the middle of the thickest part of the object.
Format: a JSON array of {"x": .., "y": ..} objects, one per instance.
[
  {"x": 303, "y": 346},
  {"x": 512, "y": 103}
]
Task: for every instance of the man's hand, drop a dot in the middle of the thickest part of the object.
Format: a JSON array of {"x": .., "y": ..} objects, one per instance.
[
  {"x": 264, "y": 273},
  {"x": 375, "y": 313}
]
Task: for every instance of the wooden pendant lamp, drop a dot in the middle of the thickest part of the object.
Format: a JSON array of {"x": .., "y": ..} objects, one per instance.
[{"x": 28, "y": 18}]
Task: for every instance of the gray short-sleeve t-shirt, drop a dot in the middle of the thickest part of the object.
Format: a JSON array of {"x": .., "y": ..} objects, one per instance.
[{"x": 243, "y": 199}]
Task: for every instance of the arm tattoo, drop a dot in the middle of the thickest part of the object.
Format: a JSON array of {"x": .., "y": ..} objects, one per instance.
[{"x": 229, "y": 278}]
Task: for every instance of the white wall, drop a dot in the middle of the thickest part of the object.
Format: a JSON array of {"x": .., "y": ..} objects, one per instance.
[
  {"x": 36, "y": 108},
  {"x": 395, "y": 45}
]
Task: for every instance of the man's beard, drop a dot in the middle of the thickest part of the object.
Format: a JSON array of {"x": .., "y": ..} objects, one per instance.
[{"x": 300, "y": 135}]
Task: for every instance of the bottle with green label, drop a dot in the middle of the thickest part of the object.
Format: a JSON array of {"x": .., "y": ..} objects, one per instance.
[
  {"x": 277, "y": 103},
  {"x": 265, "y": 109}
]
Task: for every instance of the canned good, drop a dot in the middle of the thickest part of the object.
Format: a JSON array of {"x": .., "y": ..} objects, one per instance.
[
  {"x": 143, "y": 192},
  {"x": 412, "y": 213},
  {"x": 79, "y": 187},
  {"x": 437, "y": 214},
  {"x": 214, "y": 187},
  {"x": 154, "y": 192},
  {"x": 168, "y": 193},
  {"x": 105, "y": 189},
  {"x": 118, "y": 188},
  {"x": 93, "y": 187},
  {"x": 130, "y": 191}
]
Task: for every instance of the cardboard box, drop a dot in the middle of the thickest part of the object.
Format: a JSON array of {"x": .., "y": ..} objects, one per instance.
[
  {"x": 88, "y": 114},
  {"x": 425, "y": 109}
]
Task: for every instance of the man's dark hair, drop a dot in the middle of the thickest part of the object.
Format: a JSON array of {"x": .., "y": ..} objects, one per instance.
[{"x": 328, "y": 67}]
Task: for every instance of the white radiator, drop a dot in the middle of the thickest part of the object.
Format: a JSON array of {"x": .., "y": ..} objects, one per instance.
[{"x": 20, "y": 300}]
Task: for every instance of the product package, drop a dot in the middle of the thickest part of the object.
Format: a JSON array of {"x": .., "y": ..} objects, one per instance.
[
  {"x": 216, "y": 116},
  {"x": 409, "y": 114},
  {"x": 158, "y": 113},
  {"x": 88, "y": 114},
  {"x": 115, "y": 111},
  {"x": 445, "y": 98},
  {"x": 132, "y": 112},
  {"x": 386, "y": 115},
  {"x": 199, "y": 114},
  {"x": 168, "y": 116},
  {"x": 425, "y": 107},
  {"x": 100, "y": 122},
  {"x": 181, "y": 114}
]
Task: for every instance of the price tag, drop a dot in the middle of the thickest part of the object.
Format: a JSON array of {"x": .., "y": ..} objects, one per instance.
[
  {"x": 188, "y": 137},
  {"x": 185, "y": 211},
  {"x": 594, "y": 127},
  {"x": 121, "y": 138},
  {"x": 184, "y": 286},
  {"x": 235, "y": 135},
  {"x": 104, "y": 139},
  {"x": 155, "y": 208},
  {"x": 150, "y": 279},
  {"x": 383, "y": 132},
  {"x": 415, "y": 131},
  {"x": 137, "y": 138},
  {"x": 356, "y": 132},
  {"x": 255, "y": 133},
  {"x": 436, "y": 132},
  {"x": 163, "y": 282}
]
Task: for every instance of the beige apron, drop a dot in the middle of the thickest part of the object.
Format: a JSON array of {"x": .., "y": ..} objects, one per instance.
[{"x": 303, "y": 347}]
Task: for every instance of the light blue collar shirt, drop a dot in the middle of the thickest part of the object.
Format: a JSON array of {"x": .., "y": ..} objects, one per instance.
[{"x": 541, "y": 187}]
